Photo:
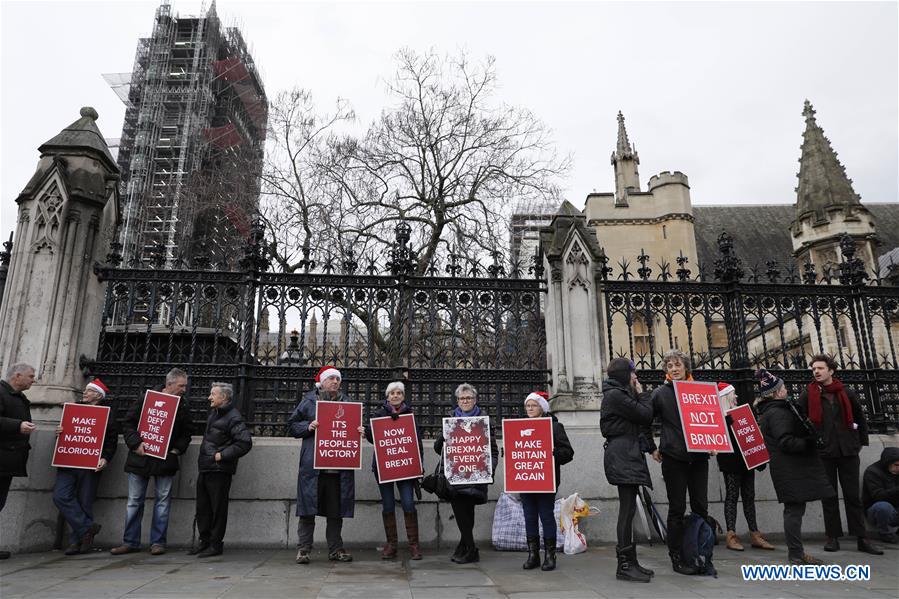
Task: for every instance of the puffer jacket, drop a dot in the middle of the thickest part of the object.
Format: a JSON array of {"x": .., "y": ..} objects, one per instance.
[
  {"x": 14, "y": 446},
  {"x": 624, "y": 420},
  {"x": 145, "y": 465},
  {"x": 878, "y": 484},
  {"x": 226, "y": 433}
]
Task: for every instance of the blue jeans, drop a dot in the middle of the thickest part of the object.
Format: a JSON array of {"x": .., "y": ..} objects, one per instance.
[
  {"x": 883, "y": 515},
  {"x": 74, "y": 493},
  {"x": 137, "y": 494},
  {"x": 538, "y": 508},
  {"x": 388, "y": 497}
]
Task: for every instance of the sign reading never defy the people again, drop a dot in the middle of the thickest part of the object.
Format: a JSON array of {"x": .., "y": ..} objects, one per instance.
[
  {"x": 748, "y": 436},
  {"x": 467, "y": 458},
  {"x": 397, "y": 453},
  {"x": 338, "y": 442},
  {"x": 81, "y": 441},
  {"x": 702, "y": 417},
  {"x": 528, "y": 456},
  {"x": 157, "y": 418}
]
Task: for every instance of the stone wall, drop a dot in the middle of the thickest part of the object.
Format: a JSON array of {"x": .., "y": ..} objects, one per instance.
[{"x": 263, "y": 499}]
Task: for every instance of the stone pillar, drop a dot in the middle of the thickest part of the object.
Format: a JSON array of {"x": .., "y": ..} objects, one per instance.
[
  {"x": 573, "y": 317},
  {"x": 68, "y": 212}
]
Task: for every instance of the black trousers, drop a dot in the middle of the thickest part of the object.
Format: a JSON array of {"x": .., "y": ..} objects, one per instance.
[
  {"x": 5, "y": 482},
  {"x": 681, "y": 477},
  {"x": 463, "y": 510},
  {"x": 627, "y": 509},
  {"x": 793, "y": 513},
  {"x": 846, "y": 469},
  {"x": 212, "y": 506}
]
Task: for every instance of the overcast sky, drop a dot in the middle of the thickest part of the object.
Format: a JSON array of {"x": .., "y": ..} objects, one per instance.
[{"x": 714, "y": 90}]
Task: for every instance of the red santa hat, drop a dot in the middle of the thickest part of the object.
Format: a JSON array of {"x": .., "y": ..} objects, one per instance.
[
  {"x": 725, "y": 389},
  {"x": 542, "y": 399},
  {"x": 98, "y": 386},
  {"x": 326, "y": 372}
]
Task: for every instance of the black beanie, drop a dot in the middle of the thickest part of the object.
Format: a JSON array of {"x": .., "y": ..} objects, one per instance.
[{"x": 620, "y": 370}]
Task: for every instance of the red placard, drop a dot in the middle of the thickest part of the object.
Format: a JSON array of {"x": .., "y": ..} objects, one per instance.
[
  {"x": 467, "y": 458},
  {"x": 748, "y": 436},
  {"x": 337, "y": 439},
  {"x": 701, "y": 417},
  {"x": 397, "y": 454},
  {"x": 81, "y": 441},
  {"x": 528, "y": 456},
  {"x": 157, "y": 418}
]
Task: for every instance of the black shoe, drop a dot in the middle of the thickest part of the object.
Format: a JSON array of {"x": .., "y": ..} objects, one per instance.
[
  {"x": 832, "y": 544},
  {"x": 626, "y": 569},
  {"x": 549, "y": 554},
  {"x": 865, "y": 546},
  {"x": 470, "y": 556},
  {"x": 461, "y": 550},
  {"x": 4, "y": 554},
  {"x": 73, "y": 549},
  {"x": 680, "y": 567},
  {"x": 533, "y": 553},
  {"x": 211, "y": 551},
  {"x": 888, "y": 537},
  {"x": 636, "y": 564},
  {"x": 203, "y": 546}
]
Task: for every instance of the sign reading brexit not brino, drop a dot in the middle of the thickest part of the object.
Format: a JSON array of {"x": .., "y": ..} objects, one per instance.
[
  {"x": 701, "y": 416},
  {"x": 467, "y": 458}
]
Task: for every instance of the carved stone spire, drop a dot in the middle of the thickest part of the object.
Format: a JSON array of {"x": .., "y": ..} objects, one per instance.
[{"x": 625, "y": 161}]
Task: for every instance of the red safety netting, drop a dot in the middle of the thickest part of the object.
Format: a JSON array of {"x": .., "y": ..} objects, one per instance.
[
  {"x": 239, "y": 219},
  {"x": 222, "y": 137},
  {"x": 230, "y": 69}
]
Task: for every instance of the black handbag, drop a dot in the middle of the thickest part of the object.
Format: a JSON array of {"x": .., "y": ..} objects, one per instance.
[{"x": 436, "y": 483}]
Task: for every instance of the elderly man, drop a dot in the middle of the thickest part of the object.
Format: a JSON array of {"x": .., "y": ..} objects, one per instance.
[
  {"x": 140, "y": 467},
  {"x": 226, "y": 440},
  {"x": 76, "y": 488},
  {"x": 15, "y": 427}
]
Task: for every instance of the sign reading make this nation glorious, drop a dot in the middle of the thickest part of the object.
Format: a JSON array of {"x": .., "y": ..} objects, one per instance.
[
  {"x": 338, "y": 443},
  {"x": 528, "y": 461},
  {"x": 81, "y": 441},
  {"x": 157, "y": 418},
  {"x": 467, "y": 458},
  {"x": 397, "y": 454},
  {"x": 701, "y": 416}
]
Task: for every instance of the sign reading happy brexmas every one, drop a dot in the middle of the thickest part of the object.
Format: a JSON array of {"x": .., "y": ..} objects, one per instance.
[
  {"x": 528, "y": 457},
  {"x": 157, "y": 419},
  {"x": 337, "y": 438},
  {"x": 80, "y": 443},
  {"x": 701, "y": 416},
  {"x": 467, "y": 458},
  {"x": 748, "y": 436},
  {"x": 397, "y": 454}
]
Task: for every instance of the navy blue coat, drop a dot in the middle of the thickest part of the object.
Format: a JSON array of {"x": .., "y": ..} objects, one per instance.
[
  {"x": 381, "y": 412},
  {"x": 307, "y": 479}
]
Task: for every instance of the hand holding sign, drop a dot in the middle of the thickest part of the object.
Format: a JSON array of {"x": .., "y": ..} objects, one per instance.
[
  {"x": 701, "y": 417},
  {"x": 337, "y": 442},
  {"x": 80, "y": 441},
  {"x": 157, "y": 419},
  {"x": 528, "y": 457}
]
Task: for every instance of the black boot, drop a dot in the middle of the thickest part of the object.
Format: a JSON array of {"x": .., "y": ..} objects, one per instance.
[
  {"x": 461, "y": 549},
  {"x": 471, "y": 555},
  {"x": 678, "y": 566},
  {"x": 533, "y": 553},
  {"x": 626, "y": 569},
  {"x": 636, "y": 564},
  {"x": 549, "y": 554}
]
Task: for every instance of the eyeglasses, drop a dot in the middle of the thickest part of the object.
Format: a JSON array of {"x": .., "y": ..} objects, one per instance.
[{"x": 466, "y": 398}]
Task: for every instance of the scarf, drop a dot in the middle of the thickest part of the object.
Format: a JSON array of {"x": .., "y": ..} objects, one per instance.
[
  {"x": 398, "y": 410},
  {"x": 668, "y": 378},
  {"x": 835, "y": 388},
  {"x": 458, "y": 413}
]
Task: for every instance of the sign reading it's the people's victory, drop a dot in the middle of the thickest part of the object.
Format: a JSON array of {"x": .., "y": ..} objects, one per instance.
[{"x": 338, "y": 442}]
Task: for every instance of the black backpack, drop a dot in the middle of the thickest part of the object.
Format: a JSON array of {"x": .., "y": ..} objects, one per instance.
[{"x": 698, "y": 545}]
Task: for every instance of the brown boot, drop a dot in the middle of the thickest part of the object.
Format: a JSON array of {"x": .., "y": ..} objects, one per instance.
[
  {"x": 389, "y": 551},
  {"x": 733, "y": 541},
  {"x": 412, "y": 534},
  {"x": 758, "y": 541}
]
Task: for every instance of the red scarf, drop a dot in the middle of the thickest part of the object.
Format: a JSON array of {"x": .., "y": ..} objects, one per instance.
[{"x": 814, "y": 402}]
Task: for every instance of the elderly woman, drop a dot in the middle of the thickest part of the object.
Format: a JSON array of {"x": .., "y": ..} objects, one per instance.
[
  {"x": 394, "y": 406},
  {"x": 538, "y": 507},
  {"x": 466, "y": 497}
]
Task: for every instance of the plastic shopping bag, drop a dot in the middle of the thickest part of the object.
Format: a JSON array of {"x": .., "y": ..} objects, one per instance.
[{"x": 573, "y": 509}]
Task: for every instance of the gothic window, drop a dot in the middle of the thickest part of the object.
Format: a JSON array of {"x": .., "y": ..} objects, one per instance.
[{"x": 641, "y": 335}]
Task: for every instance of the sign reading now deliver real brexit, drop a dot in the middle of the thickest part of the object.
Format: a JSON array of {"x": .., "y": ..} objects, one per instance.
[
  {"x": 337, "y": 438},
  {"x": 701, "y": 416},
  {"x": 528, "y": 455},
  {"x": 397, "y": 454},
  {"x": 81, "y": 441},
  {"x": 157, "y": 419}
]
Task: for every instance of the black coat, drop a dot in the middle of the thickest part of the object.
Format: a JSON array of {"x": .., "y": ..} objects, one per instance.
[
  {"x": 839, "y": 440},
  {"x": 796, "y": 468},
  {"x": 878, "y": 484},
  {"x": 563, "y": 452},
  {"x": 478, "y": 492},
  {"x": 14, "y": 409},
  {"x": 672, "y": 443},
  {"x": 226, "y": 433},
  {"x": 147, "y": 465},
  {"x": 380, "y": 412},
  {"x": 624, "y": 420}
]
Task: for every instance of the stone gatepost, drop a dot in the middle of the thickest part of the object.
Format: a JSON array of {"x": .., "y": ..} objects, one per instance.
[
  {"x": 573, "y": 323},
  {"x": 50, "y": 314}
]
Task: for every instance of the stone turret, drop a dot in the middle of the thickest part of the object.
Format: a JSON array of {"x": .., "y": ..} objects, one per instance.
[{"x": 625, "y": 160}]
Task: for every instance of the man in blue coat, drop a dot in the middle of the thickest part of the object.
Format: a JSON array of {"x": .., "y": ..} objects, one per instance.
[{"x": 328, "y": 493}]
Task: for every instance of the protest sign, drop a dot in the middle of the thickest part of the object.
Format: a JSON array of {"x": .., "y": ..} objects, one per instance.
[
  {"x": 748, "y": 436},
  {"x": 701, "y": 416},
  {"x": 528, "y": 455},
  {"x": 157, "y": 418},
  {"x": 397, "y": 453},
  {"x": 466, "y": 451},
  {"x": 337, "y": 439},
  {"x": 81, "y": 441}
]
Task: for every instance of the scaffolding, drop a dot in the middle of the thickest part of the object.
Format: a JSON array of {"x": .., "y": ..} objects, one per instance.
[{"x": 196, "y": 114}]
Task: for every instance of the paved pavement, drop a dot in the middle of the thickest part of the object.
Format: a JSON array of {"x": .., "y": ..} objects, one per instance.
[{"x": 272, "y": 573}]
